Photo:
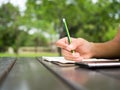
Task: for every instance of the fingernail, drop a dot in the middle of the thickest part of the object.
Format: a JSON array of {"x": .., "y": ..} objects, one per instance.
[
  {"x": 70, "y": 46},
  {"x": 69, "y": 49}
]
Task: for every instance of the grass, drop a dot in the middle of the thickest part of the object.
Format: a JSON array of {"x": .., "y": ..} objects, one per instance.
[{"x": 29, "y": 54}]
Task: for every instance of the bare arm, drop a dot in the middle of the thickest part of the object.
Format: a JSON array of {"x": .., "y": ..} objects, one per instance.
[{"x": 110, "y": 49}]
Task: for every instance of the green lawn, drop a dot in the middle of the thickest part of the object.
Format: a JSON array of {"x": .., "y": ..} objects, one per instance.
[{"x": 29, "y": 54}]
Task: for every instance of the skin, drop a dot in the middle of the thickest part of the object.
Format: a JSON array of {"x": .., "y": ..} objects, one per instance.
[{"x": 85, "y": 50}]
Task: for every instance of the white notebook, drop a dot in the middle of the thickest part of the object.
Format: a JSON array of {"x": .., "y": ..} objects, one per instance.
[
  {"x": 59, "y": 61},
  {"x": 87, "y": 63}
]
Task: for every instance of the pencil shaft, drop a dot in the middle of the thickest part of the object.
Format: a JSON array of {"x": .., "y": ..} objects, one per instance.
[{"x": 67, "y": 32}]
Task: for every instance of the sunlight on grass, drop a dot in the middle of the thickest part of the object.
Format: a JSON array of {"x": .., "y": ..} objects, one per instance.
[{"x": 29, "y": 54}]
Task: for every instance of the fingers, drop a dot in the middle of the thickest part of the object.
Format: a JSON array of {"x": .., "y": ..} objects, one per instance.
[
  {"x": 62, "y": 43},
  {"x": 71, "y": 56},
  {"x": 75, "y": 44},
  {"x": 79, "y": 45}
]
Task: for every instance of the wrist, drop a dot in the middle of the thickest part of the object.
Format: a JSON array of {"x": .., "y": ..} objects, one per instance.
[{"x": 92, "y": 50}]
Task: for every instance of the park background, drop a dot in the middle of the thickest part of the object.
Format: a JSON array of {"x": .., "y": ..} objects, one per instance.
[{"x": 31, "y": 27}]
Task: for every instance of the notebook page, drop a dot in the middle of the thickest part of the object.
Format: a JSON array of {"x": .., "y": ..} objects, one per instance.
[
  {"x": 57, "y": 59},
  {"x": 64, "y": 61}
]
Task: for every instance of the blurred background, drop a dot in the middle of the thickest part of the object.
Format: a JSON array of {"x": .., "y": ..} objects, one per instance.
[{"x": 31, "y": 27}]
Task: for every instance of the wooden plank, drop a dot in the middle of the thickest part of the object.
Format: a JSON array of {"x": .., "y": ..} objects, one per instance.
[
  {"x": 29, "y": 74},
  {"x": 82, "y": 78},
  {"x": 6, "y": 64}
]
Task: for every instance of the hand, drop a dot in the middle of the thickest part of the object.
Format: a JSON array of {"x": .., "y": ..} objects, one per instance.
[{"x": 82, "y": 48}]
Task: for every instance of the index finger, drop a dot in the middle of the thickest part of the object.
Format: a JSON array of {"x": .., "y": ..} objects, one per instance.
[{"x": 62, "y": 43}]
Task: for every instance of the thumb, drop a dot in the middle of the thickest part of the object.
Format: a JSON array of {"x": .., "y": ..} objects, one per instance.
[
  {"x": 75, "y": 44},
  {"x": 71, "y": 47}
]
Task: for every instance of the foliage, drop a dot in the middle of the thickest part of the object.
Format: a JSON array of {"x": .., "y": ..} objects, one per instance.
[
  {"x": 8, "y": 26},
  {"x": 92, "y": 21}
]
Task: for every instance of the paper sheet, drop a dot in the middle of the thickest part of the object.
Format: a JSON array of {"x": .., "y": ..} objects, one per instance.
[
  {"x": 62, "y": 60},
  {"x": 57, "y": 59}
]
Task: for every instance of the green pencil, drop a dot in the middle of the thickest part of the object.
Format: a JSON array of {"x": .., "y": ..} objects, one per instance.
[{"x": 67, "y": 32}]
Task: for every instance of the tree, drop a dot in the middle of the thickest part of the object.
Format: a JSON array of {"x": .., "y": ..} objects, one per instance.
[{"x": 8, "y": 27}]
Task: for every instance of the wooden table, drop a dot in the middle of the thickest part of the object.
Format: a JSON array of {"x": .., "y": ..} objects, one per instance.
[{"x": 36, "y": 74}]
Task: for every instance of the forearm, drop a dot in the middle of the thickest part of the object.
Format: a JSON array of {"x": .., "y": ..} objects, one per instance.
[{"x": 110, "y": 49}]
